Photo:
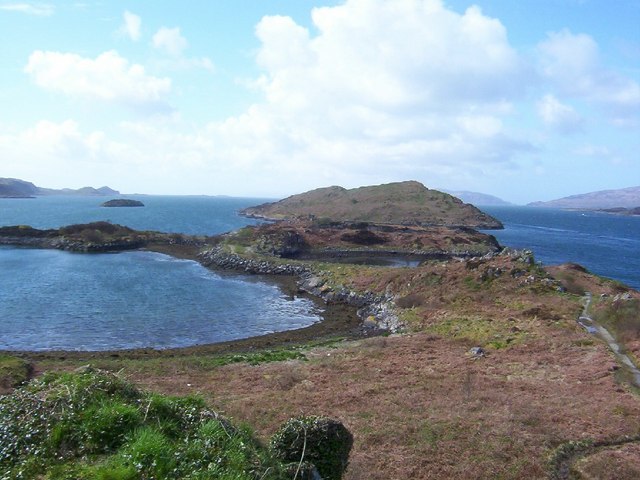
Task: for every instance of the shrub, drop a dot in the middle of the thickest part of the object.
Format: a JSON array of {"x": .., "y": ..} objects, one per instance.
[
  {"x": 320, "y": 441},
  {"x": 411, "y": 300},
  {"x": 91, "y": 424},
  {"x": 363, "y": 237}
]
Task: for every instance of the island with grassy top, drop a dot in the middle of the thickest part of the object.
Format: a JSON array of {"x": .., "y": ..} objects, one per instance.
[
  {"x": 400, "y": 203},
  {"x": 453, "y": 358}
]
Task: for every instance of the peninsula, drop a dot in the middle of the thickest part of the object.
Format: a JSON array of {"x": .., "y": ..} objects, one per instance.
[{"x": 455, "y": 348}]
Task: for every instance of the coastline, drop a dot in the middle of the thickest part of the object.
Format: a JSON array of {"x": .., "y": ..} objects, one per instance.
[{"x": 339, "y": 320}]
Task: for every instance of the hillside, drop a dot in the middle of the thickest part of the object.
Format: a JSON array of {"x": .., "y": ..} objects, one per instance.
[
  {"x": 13, "y": 187},
  {"x": 621, "y": 198},
  {"x": 476, "y": 198},
  {"x": 401, "y": 203}
]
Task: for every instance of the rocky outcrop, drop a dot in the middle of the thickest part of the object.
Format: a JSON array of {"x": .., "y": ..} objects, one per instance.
[
  {"x": 60, "y": 243},
  {"x": 377, "y": 312}
]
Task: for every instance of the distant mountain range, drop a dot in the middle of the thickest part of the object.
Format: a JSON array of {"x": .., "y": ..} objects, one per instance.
[
  {"x": 628, "y": 198},
  {"x": 478, "y": 199},
  {"x": 14, "y": 188}
]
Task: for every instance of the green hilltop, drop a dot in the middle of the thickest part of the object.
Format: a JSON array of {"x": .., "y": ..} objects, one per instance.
[{"x": 399, "y": 203}]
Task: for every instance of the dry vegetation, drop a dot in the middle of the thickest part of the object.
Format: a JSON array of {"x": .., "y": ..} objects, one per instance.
[
  {"x": 539, "y": 392},
  {"x": 420, "y": 404},
  {"x": 408, "y": 203}
]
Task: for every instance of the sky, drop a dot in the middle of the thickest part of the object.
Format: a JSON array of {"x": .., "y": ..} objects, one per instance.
[{"x": 526, "y": 100}]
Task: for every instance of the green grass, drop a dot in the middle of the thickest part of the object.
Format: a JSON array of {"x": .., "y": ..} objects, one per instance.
[
  {"x": 95, "y": 425},
  {"x": 486, "y": 332},
  {"x": 252, "y": 358}
]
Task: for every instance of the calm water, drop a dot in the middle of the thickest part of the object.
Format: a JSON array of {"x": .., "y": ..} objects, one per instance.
[
  {"x": 607, "y": 245},
  {"x": 59, "y": 300},
  {"x": 191, "y": 215}
]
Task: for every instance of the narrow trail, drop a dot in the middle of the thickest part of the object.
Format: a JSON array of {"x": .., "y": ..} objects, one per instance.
[
  {"x": 569, "y": 453},
  {"x": 592, "y": 326}
]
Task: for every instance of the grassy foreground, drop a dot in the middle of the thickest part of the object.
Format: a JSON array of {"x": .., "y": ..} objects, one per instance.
[
  {"x": 90, "y": 424},
  {"x": 95, "y": 425}
]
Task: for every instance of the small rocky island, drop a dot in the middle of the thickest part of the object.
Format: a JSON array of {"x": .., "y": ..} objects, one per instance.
[{"x": 122, "y": 202}]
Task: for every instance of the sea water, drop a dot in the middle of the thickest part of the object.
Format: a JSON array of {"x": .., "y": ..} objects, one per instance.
[
  {"x": 51, "y": 299},
  {"x": 56, "y": 300},
  {"x": 605, "y": 244}
]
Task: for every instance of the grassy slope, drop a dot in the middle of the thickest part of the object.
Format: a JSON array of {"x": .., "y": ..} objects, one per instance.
[
  {"x": 419, "y": 405},
  {"x": 393, "y": 203}
]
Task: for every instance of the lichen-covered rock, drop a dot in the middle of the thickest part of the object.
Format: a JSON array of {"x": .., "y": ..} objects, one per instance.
[{"x": 323, "y": 442}]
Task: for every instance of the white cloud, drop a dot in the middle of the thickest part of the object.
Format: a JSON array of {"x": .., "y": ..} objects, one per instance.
[
  {"x": 108, "y": 77},
  {"x": 170, "y": 40},
  {"x": 49, "y": 152},
  {"x": 382, "y": 89},
  {"x": 131, "y": 26},
  {"x": 559, "y": 116},
  {"x": 377, "y": 91},
  {"x": 571, "y": 62},
  {"x": 39, "y": 9}
]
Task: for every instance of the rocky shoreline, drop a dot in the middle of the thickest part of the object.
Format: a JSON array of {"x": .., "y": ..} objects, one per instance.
[
  {"x": 273, "y": 257},
  {"x": 72, "y": 245},
  {"x": 374, "y": 311}
]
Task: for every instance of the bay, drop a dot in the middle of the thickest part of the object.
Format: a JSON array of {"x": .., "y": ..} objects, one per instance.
[{"x": 55, "y": 300}]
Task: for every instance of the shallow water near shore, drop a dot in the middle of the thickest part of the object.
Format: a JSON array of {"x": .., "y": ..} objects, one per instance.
[{"x": 56, "y": 300}]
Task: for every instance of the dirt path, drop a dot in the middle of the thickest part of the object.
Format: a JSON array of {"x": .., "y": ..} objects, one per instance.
[
  {"x": 593, "y": 327},
  {"x": 570, "y": 453}
]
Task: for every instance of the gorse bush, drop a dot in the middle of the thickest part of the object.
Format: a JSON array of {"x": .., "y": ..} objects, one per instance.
[{"x": 94, "y": 425}]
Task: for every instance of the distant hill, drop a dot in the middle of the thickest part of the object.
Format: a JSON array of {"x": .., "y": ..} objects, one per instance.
[
  {"x": 479, "y": 199},
  {"x": 622, "y": 198},
  {"x": 401, "y": 203},
  {"x": 12, "y": 187}
]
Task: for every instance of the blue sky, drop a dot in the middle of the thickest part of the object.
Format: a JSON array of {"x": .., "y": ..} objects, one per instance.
[{"x": 527, "y": 100}]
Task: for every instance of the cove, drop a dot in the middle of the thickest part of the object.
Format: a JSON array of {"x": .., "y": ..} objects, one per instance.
[{"x": 56, "y": 300}]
